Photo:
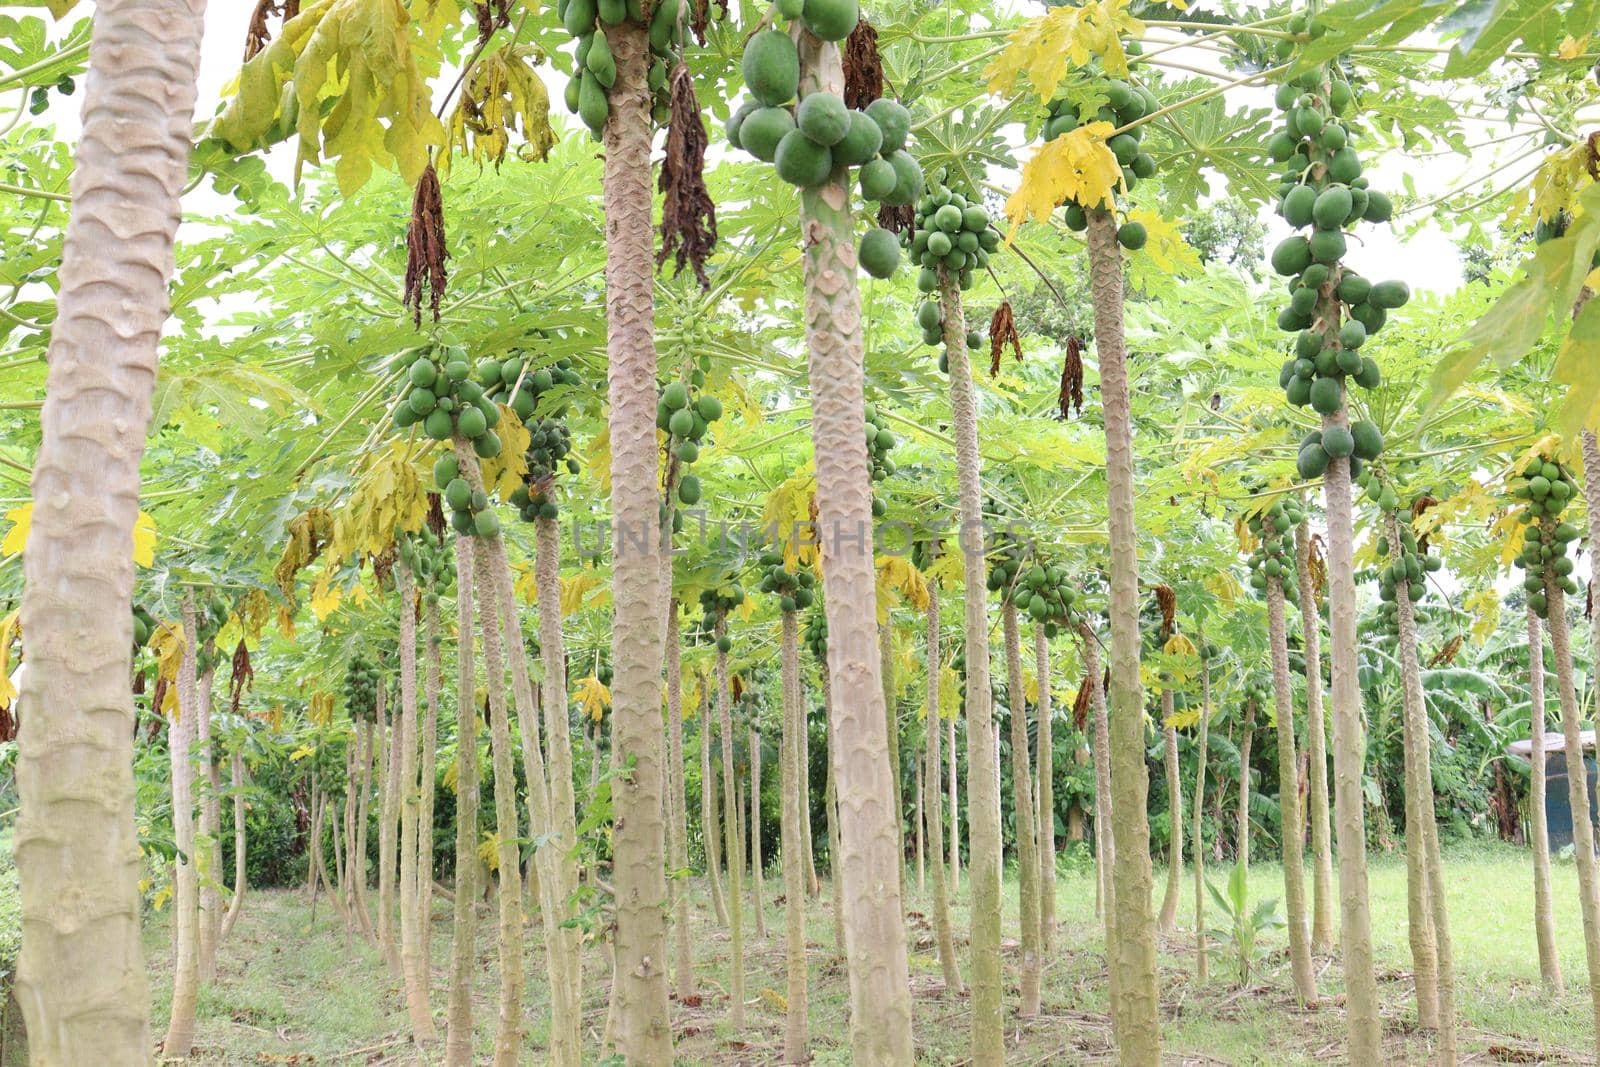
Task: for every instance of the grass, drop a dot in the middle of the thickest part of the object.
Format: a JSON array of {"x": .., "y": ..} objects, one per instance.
[{"x": 287, "y": 987}]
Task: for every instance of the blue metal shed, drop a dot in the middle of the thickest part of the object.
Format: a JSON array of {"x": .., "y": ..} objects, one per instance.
[{"x": 1558, "y": 796}]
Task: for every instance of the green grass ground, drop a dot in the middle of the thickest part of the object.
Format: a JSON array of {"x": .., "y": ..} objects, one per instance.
[{"x": 289, "y": 988}]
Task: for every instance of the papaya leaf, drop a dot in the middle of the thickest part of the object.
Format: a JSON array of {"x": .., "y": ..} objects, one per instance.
[
  {"x": 1045, "y": 48},
  {"x": 1075, "y": 166}
]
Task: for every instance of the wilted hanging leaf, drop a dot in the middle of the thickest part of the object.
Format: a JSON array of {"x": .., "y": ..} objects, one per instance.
[
  {"x": 1080, "y": 703},
  {"x": 1002, "y": 332},
  {"x": 899, "y": 580},
  {"x": 688, "y": 215},
  {"x": 1561, "y": 176},
  {"x": 1046, "y": 48},
  {"x": 257, "y": 34},
  {"x": 1446, "y": 654},
  {"x": 308, "y": 533},
  {"x": 500, "y": 94},
  {"x": 425, "y": 248},
  {"x": 1075, "y": 166},
  {"x": 388, "y": 496},
  {"x": 897, "y": 218},
  {"x": 491, "y": 15},
  {"x": 863, "y": 68},
  {"x": 592, "y": 697},
  {"x": 320, "y": 707},
  {"x": 243, "y": 675},
  {"x": 1070, "y": 397},
  {"x": 1167, "y": 601}
]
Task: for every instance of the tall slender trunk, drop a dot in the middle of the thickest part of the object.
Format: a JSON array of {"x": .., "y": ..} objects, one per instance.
[
  {"x": 1139, "y": 1039},
  {"x": 1349, "y": 747},
  {"x": 1578, "y": 789},
  {"x": 644, "y": 1033},
  {"x": 830, "y": 802},
  {"x": 1169, "y": 899},
  {"x": 1322, "y": 932},
  {"x": 1419, "y": 912},
  {"x": 892, "y": 729},
  {"x": 1420, "y": 791},
  {"x": 1241, "y": 837},
  {"x": 185, "y": 896},
  {"x": 803, "y": 784},
  {"x": 240, "y": 840},
  {"x": 1544, "y": 924},
  {"x": 1105, "y": 844},
  {"x": 358, "y": 858},
  {"x": 756, "y": 890},
  {"x": 678, "y": 825},
  {"x": 347, "y": 890},
  {"x": 948, "y": 963},
  {"x": 796, "y": 1039},
  {"x": 1294, "y": 877},
  {"x": 210, "y": 833},
  {"x": 508, "y": 1030},
  {"x": 955, "y": 808},
  {"x": 733, "y": 843},
  {"x": 561, "y": 860},
  {"x": 428, "y": 775},
  {"x": 880, "y": 998},
  {"x": 81, "y": 979},
  {"x": 921, "y": 827},
  {"x": 1197, "y": 838},
  {"x": 389, "y": 761},
  {"x": 710, "y": 830},
  {"x": 1047, "y": 795},
  {"x": 983, "y": 819},
  {"x": 458, "y": 1045},
  {"x": 1024, "y": 809},
  {"x": 414, "y": 964}
]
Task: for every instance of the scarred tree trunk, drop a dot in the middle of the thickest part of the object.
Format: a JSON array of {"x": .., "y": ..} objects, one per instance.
[
  {"x": 1544, "y": 924},
  {"x": 796, "y": 1039},
  {"x": 1139, "y": 1037},
  {"x": 678, "y": 825},
  {"x": 414, "y": 964},
  {"x": 644, "y": 1033},
  {"x": 1197, "y": 838},
  {"x": 458, "y": 1035},
  {"x": 880, "y": 1000},
  {"x": 1322, "y": 933},
  {"x": 1105, "y": 846},
  {"x": 1294, "y": 878},
  {"x": 1047, "y": 797},
  {"x": 955, "y": 809},
  {"x": 733, "y": 843},
  {"x": 921, "y": 827},
  {"x": 813, "y": 883},
  {"x": 892, "y": 728},
  {"x": 358, "y": 853},
  {"x": 1242, "y": 815},
  {"x": 236, "y": 781},
  {"x": 1169, "y": 899},
  {"x": 710, "y": 830},
  {"x": 388, "y": 833},
  {"x": 756, "y": 890},
  {"x": 830, "y": 802},
  {"x": 1024, "y": 808},
  {"x": 948, "y": 962},
  {"x": 428, "y": 777},
  {"x": 983, "y": 820},
  {"x": 1419, "y": 912},
  {"x": 1578, "y": 787},
  {"x": 210, "y": 852},
  {"x": 185, "y": 886},
  {"x": 1420, "y": 791},
  {"x": 81, "y": 978}
]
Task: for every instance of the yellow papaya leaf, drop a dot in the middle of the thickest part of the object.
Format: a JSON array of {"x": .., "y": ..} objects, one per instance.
[
  {"x": 167, "y": 644},
  {"x": 170, "y": 707},
  {"x": 1045, "y": 48},
  {"x": 144, "y": 540},
  {"x": 1572, "y": 47},
  {"x": 21, "y": 519},
  {"x": 301, "y": 753},
  {"x": 1164, "y": 246},
  {"x": 489, "y": 850},
  {"x": 1561, "y": 176},
  {"x": 320, "y": 708},
  {"x": 506, "y": 471},
  {"x": 389, "y": 495},
  {"x": 163, "y": 895},
  {"x": 592, "y": 697},
  {"x": 1075, "y": 166},
  {"x": 899, "y": 580},
  {"x": 1484, "y": 605},
  {"x": 325, "y": 596},
  {"x": 787, "y": 512},
  {"x": 501, "y": 92},
  {"x": 1179, "y": 645},
  {"x": 575, "y": 589},
  {"x": 1184, "y": 718},
  {"x": 10, "y": 628},
  {"x": 597, "y": 458}
]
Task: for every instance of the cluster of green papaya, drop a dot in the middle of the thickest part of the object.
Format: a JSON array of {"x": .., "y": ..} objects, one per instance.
[
  {"x": 596, "y": 70},
  {"x": 1274, "y": 528},
  {"x": 951, "y": 232},
  {"x": 1042, "y": 589},
  {"x": 792, "y": 588},
  {"x": 880, "y": 442},
  {"x": 447, "y": 395},
  {"x": 815, "y": 636},
  {"x": 431, "y": 560},
  {"x": 685, "y": 414},
  {"x": 549, "y": 451},
  {"x": 1257, "y": 691},
  {"x": 209, "y": 620},
  {"x": 1409, "y": 562},
  {"x": 470, "y": 510},
  {"x": 1124, "y": 104},
  {"x": 1332, "y": 310},
  {"x": 1551, "y": 228},
  {"x": 1545, "y": 486},
  {"x": 714, "y": 605},
  {"x": 361, "y": 681},
  {"x": 144, "y": 626}
]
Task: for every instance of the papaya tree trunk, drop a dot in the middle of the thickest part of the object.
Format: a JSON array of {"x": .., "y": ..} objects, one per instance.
[
  {"x": 948, "y": 963},
  {"x": 413, "y": 963},
  {"x": 1419, "y": 913},
  {"x": 1047, "y": 797},
  {"x": 1322, "y": 932},
  {"x": 1139, "y": 1038},
  {"x": 880, "y": 999},
  {"x": 1361, "y": 987},
  {"x": 428, "y": 778},
  {"x": 1169, "y": 898},
  {"x": 1578, "y": 787},
  {"x": 892, "y": 729},
  {"x": 1105, "y": 845},
  {"x": 358, "y": 859},
  {"x": 185, "y": 886},
  {"x": 1294, "y": 878},
  {"x": 644, "y": 1033},
  {"x": 922, "y": 865},
  {"x": 81, "y": 978},
  {"x": 240, "y": 840},
  {"x": 388, "y": 832},
  {"x": 756, "y": 891},
  {"x": 803, "y": 784},
  {"x": 1024, "y": 809},
  {"x": 1544, "y": 924},
  {"x": 796, "y": 1038},
  {"x": 1420, "y": 791},
  {"x": 955, "y": 808},
  {"x": 830, "y": 801},
  {"x": 678, "y": 824},
  {"x": 710, "y": 828},
  {"x": 733, "y": 843},
  {"x": 458, "y": 1047},
  {"x": 1197, "y": 837},
  {"x": 1241, "y": 837},
  {"x": 983, "y": 817},
  {"x": 210, "y": 846}
]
